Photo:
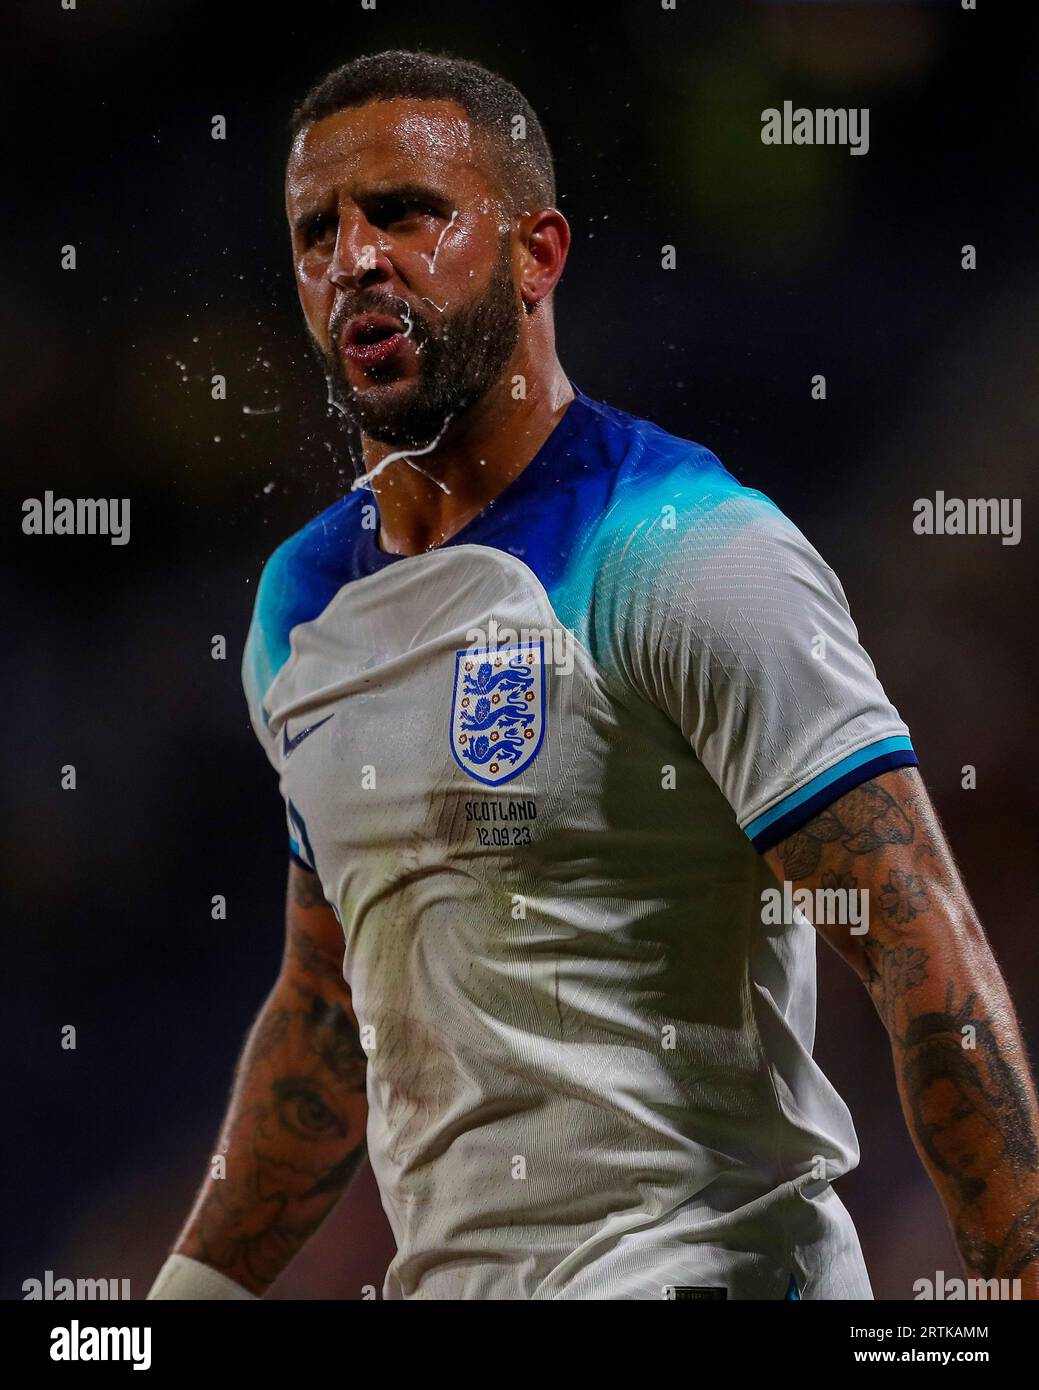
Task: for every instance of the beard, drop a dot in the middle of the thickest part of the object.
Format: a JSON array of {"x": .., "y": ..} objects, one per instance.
[{"x": 462, "y": 355}]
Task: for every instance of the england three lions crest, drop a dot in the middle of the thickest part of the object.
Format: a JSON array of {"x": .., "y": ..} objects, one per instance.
[{"x": 498, "y": 710}]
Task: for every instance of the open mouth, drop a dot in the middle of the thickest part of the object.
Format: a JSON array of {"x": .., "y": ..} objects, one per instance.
[{"x": 372, "y": 338}]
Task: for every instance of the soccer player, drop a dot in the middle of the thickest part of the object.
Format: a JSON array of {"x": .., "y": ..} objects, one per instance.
[{"x": 560, "y": 710}]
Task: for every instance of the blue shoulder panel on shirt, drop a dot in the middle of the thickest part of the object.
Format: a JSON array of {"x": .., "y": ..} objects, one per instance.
[
  {"x": 298, "y": 582},
  {"x": 658, "y": 487}
]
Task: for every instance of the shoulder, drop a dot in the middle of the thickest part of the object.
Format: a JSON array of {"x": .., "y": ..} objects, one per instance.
[
  {"x": 686, "y": 563},
  {"x": 677, "y": 515},
  {"x": 296, "y": 584}
]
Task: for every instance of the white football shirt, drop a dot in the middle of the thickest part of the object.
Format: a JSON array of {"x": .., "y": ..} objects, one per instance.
[{"x": 534, "y": 770}]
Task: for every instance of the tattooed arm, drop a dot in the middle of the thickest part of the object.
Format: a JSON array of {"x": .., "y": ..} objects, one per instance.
[
  {"x": 962, "y": 1071},
  {"x": 294, "y": 1135}
]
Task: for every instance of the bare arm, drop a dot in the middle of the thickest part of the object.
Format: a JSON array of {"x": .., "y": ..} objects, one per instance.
[
  {"x": 960, "y": 1064},
  {"x": 294, "y": 1134}
]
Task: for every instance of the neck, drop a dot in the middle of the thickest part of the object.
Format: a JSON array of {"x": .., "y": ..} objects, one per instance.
[{"x": 478, "y": 455}]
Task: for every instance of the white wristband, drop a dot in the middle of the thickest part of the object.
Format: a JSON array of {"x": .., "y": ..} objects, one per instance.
[{"x": 183, "y": 1277}]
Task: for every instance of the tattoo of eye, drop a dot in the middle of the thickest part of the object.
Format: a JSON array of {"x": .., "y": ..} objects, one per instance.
[
  {"x": 904, "y": 896},
  {"x": 862, "y": 821},
  {"x": 303, "y": 1111}
]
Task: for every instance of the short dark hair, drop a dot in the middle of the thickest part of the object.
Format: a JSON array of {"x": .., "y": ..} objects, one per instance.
[{"x": 525, "y": 167}]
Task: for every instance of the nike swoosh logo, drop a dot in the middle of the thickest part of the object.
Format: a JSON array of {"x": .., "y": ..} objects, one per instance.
[{"x": 289, "y": 745}]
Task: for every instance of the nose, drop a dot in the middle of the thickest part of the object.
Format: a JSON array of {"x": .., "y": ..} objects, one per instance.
[{"x": 359, "y": 259}]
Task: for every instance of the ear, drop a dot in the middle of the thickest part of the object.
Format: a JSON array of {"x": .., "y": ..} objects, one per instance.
[{"x": 545, "y": 237}]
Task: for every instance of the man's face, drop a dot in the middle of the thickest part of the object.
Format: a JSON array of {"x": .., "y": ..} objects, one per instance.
[{"x": 403, "y": 260}]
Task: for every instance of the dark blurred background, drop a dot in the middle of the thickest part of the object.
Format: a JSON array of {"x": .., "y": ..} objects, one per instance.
[{"x": 790, "y": 262}]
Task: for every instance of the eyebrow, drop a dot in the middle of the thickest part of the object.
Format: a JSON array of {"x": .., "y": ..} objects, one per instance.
[{"x": 407, "y": 190}]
